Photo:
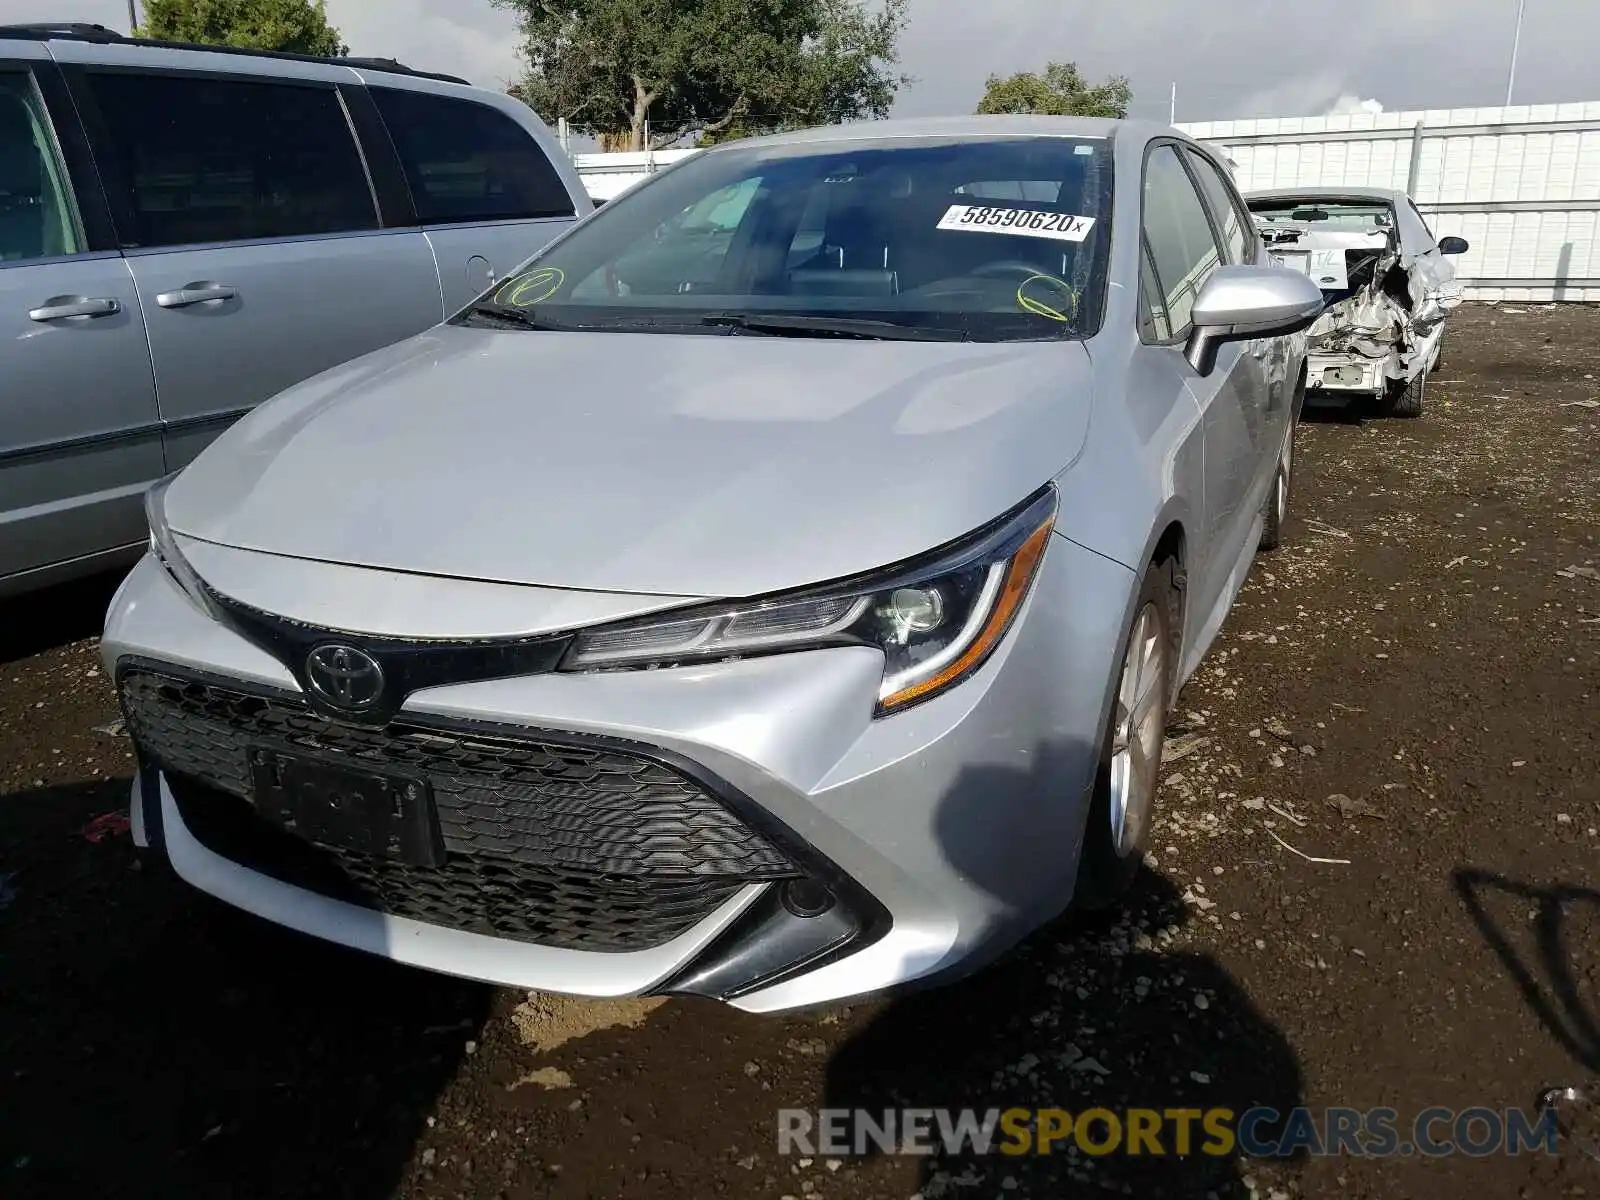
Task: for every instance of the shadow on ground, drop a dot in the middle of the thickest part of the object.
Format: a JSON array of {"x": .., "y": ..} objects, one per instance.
[
  {"x": 43, "y": 620},
  {"x": 1325, "y": 413},
  {"x": 1099, "y": 1011},
  {"x": 1546, "y": 938},
  {"x": 154, "y": 1043}
]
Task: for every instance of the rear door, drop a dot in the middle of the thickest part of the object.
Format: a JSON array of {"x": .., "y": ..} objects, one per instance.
[
  {"x": 251, "y": 224},
  {"x": 487, "y": 192},
  {"x": 79, "y": 434}
]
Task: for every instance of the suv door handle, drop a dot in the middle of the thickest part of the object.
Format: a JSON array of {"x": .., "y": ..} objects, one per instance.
[
  {"x": 197, "y": 293},
  {"x": 58, "y": 308}
]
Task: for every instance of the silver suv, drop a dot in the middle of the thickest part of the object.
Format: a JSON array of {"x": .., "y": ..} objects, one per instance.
[{"x": 186, "y": 231}]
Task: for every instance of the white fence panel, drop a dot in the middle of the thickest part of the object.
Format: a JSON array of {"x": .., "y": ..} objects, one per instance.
[{"x": 1521, "y": 184}]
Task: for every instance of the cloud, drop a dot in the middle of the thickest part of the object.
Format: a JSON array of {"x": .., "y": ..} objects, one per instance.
[
  {"x": 1347, "y": 104},
  {"x": 468, "y": 38},
  {"x": 1265, "y": 59}
]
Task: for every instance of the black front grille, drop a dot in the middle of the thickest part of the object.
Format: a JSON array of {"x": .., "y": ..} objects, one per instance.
[
  {"x": 581, "y": 845},
  {"x": 479, "y": 893}
]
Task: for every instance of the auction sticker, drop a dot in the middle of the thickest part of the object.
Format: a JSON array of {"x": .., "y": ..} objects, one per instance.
[{"x": 1021, "y": 222}]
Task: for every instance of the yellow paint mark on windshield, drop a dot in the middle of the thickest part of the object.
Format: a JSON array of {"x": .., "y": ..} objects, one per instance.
[
  {"x": 535, "y": 287},
  {"x": 1039, "y": 308}
]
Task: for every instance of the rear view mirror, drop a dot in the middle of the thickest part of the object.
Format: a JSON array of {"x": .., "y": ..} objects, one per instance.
[
  {"x": 1240, "y": 303},
  {"x": 1452, "y": 245}
]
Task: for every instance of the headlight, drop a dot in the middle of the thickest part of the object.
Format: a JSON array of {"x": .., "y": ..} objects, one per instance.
[
  {"x": 165, "y": 548},
  {"x": 936, "y": 620}
]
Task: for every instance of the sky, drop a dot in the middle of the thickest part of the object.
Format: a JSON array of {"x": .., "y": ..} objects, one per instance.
[{"x": 1263, "y": 58}]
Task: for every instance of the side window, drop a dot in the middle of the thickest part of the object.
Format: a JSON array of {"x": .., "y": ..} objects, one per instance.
[
  {"x": 1153, "y": 323},
  {"x": 1238, "y": 233},
  {"x": 1179, "y": 235},
  {"x": 467, "y": 162},
  {"x": 221, "y": 160},
  {"x": 37, "y": 218}
]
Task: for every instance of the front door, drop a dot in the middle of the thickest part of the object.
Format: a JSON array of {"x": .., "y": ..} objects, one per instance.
[{"x": 1182, "y": 249}]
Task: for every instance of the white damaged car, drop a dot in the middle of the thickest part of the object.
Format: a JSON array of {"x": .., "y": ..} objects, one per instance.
[{"x": 1388, "y": 282}]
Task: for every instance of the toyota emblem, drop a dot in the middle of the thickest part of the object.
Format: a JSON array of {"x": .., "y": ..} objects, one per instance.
[{"x": 345, "y": 677}]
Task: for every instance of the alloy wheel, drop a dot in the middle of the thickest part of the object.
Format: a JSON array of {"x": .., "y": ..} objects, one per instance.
[{"x": 1137, "y": 737}]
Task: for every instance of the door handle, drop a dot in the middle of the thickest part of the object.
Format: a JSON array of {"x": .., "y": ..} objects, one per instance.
[
  {"x": 59, "y": 308},
  {"x": 196, "y": 293}
]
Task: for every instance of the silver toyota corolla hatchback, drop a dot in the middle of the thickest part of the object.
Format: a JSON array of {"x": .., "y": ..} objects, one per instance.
[{"x": 774, "y": 591}]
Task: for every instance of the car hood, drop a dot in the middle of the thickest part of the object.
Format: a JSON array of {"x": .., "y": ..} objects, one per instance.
[{"x": 691, "y": 465}]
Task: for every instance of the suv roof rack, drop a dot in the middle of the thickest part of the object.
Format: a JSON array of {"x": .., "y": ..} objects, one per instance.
[{"x": 83, "y": 32}]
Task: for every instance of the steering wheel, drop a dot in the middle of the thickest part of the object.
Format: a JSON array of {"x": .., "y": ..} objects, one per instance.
[{"x": 1004, "y": 265}]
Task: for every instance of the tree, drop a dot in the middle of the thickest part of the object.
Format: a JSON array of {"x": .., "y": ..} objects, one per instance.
[
  {"x": 1061, "y": 92},
  {"x": 296, "y": 26},
  {"x": 707, "y": 68}
]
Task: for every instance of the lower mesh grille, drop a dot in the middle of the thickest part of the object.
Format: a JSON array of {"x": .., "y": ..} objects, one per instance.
[
  {"x": 478, "y": 893},
  {"x": 576, "y": 846}
]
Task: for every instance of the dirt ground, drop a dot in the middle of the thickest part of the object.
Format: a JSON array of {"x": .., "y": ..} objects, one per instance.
[{"x": 1411, "y": 686}]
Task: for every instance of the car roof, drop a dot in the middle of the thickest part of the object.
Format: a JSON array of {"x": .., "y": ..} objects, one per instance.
[
  {"x": 973, "y": 127},
  {"x": 100, "y": 35},
  {"x": 1386, "y": 195}
]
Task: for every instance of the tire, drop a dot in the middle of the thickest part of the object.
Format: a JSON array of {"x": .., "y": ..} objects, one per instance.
[
  {"x": 1109, "y": 860},
  {"x": 1404, "y": 400},
  {"x": 1275, "y": 508}
]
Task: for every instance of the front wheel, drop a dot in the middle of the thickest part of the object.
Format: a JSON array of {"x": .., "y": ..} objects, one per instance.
[{"x": 1123, "y": 804}]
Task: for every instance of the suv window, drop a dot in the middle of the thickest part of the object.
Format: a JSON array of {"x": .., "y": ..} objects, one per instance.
[
  {"x": 1182, "y": 245},
  {"x": 36, "y": 214},
  {"x": 219, "y": 160},
  {"x": 1238, "y": 231},
  {"x": 467, "y": 162}
]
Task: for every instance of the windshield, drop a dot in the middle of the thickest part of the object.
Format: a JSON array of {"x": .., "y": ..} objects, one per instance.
[
  {"x": 1370, "y": 216},
  {"x": 982, "y": 240}
]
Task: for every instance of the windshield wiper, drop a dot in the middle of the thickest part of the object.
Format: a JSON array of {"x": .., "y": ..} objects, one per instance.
[
  {"x": 521, "y": 318},
  {"x": 814, "y": 325}
]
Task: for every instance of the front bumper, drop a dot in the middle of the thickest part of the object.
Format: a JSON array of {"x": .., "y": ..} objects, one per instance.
[{"x": 942, "y": 833}]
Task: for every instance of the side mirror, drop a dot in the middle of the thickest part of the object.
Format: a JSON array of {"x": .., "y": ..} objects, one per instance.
[
  {"x": 1239, "y": 303},
  {"x": 1452, "y": 245}
]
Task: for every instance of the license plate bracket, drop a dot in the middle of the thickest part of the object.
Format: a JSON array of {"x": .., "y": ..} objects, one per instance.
[{"x": 380, "y": 813}]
